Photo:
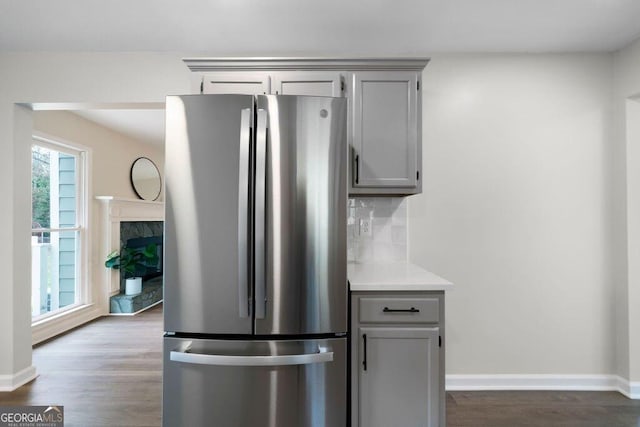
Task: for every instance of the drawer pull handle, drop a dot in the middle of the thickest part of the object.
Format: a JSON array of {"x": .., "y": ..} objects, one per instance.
[{"x": 400, "y": 310}]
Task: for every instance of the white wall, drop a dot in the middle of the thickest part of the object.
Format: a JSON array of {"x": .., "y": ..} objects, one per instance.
[
  {"x": 626, "y": 156},
  {"x": 516, "y": 205},
  {"x": 515, "y": 210},
  {"x": 113, "y": 153},
  {"x": 55, "y": 77}
]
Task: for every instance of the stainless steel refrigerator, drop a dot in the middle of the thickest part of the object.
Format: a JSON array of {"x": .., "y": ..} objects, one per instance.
[{"x": 255, "y": 286}]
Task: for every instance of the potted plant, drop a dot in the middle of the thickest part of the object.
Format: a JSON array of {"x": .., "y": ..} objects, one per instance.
[{"x": 132, "y": 261}]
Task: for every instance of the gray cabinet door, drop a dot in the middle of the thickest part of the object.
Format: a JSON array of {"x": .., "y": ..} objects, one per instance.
[
  {"x": 237, "y": 83},
  {"x": 311, "y": 83},
  {"x": 385, "y": 132},
  {"x": 327, "y": 83},
  {"x": 399, "y": 377}
]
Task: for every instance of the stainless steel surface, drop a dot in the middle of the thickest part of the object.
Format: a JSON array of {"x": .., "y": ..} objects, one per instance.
[
  {"x": 186, "y": 356},
  {"x": 201, "y": 214},
  {"x": 244, "y": 192},
  {"x": 306, "y": 196},
  {"x": 309, "y": 395},
  {"x": 255, "y": 211},
  {"x": 259, "y": 221}
]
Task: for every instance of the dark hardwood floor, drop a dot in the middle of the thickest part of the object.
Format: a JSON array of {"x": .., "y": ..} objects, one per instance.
[
  {"x": 109, "y": 373},
  {"x": 541, "y": 409},
  {"x": 106, "y": 373}
]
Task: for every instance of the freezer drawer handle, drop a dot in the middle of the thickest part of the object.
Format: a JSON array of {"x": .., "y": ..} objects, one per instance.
[{"x": 322, "y": 356}]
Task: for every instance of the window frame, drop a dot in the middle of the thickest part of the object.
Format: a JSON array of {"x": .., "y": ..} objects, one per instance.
[{"x": 83, "y": 297}]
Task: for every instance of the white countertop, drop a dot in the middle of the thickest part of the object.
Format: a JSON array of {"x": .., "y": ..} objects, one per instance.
[{"x": 393, "y": 276}]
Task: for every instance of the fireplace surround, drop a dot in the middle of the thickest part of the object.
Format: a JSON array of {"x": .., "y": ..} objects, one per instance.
[{"x": 141, "y": 219}]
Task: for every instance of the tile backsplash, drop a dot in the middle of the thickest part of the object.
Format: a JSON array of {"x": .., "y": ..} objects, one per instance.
[{"x": 387, "y": 219}]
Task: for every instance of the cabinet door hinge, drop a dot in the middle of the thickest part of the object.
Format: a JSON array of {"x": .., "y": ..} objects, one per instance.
[
  {"x": 418, "y": 84},
  {"x": 439, "y": 341},
  {"x": 417, "y": 175}
]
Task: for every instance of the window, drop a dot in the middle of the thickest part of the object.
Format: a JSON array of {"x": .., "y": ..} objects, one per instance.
[{"x": 57, "y": 230}]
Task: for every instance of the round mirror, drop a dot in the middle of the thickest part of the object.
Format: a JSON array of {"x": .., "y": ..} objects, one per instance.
[{"x": 145, "y": 179}]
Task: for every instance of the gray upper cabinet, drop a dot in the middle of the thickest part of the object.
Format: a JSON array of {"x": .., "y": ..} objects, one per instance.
[
  {"x": 276, "y": 83},
  {"x": 385, "y": 130},
  {"x": 308, "y": 83},
  {"x": 384, "y": 108},
  {"x": 241, "y": 83}
]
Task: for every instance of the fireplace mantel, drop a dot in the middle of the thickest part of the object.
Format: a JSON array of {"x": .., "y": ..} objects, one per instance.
[{"x": 113, "y": 211}]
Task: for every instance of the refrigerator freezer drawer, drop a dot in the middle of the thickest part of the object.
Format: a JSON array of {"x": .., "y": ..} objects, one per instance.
[{"x": 231, "y": 383}]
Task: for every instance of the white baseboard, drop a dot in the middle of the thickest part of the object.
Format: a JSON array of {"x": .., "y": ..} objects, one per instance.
[
  {"x": 63, "y": 322},
  {"x": 12, "y": 382},
  {"x": 634, "y": 390},
  {"x": 543, "y": 382},
  {"x": 631, "y": 389}
]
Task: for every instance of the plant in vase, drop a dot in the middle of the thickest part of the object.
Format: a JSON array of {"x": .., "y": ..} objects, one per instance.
[{"x": 131, "y": 261}]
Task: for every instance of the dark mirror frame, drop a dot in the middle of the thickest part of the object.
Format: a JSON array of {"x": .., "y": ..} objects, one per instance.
[{"x": 133, "y": 184}]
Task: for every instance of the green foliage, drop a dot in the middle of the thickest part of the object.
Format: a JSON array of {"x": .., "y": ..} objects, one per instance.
[
  {"x": 131, "y": 260},
  {"x": 40, "y": 187}
]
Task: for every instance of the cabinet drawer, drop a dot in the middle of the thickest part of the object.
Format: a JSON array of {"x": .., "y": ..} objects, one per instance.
[{"x": 399, "y": 310}]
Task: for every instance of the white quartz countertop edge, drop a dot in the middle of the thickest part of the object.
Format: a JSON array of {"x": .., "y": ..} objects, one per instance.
[{"x": 393, "y": 276}]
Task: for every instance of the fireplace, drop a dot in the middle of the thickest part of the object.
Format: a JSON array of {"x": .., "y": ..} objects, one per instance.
[
  {"x": 134, "y": 224},
  {"x": 137, "y": 236}
]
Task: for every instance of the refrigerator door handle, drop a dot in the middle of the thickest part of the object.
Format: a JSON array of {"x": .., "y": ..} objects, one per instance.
[
  {"x": 260, "y": 215},
  {"x": 322, "y": 356},
  {"x": 243, "y": 214}
]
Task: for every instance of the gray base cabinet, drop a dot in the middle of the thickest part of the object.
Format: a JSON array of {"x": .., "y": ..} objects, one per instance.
[{"x": 397, "y": 359}]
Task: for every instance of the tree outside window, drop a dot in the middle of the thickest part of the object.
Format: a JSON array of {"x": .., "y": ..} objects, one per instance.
[{"x": 55, "y": 233}]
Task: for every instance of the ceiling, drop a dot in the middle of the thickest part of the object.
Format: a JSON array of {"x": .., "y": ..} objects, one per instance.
[
  {"x": 356, "y": 28},
  {"x": 146, "y": 126},
  {"x": 318, "y": 28}
]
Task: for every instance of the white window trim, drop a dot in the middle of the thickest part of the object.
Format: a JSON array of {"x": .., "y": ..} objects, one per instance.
[{"x": 49, "y": 325}]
